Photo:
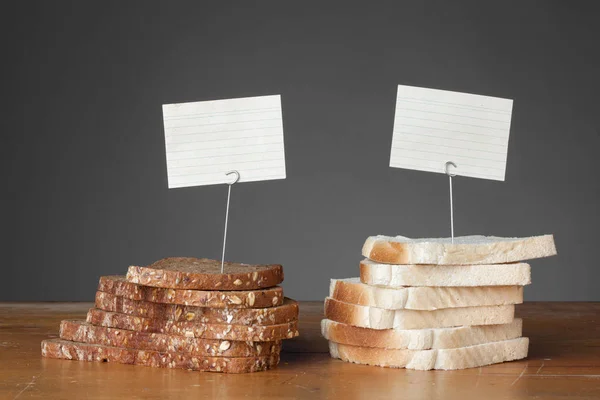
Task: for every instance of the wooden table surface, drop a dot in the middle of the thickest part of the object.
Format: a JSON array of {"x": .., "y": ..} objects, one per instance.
[{"x": 564, "y": 361}]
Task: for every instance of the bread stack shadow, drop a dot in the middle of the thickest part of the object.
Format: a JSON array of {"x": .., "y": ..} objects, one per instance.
[
  {"x": 184, "y": 313},
  {"x": 433, "y": 303}
]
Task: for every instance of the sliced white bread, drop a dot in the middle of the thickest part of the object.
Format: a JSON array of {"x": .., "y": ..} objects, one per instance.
[
  {"x": 379, "y": 318},
  {"x": 391, "y": 275},
  {"x": 420, "y": 339},
  {"x": 352, "y": 290},
  {"x": 465, "y": 249},
  {"x": 459, "y": 358}
]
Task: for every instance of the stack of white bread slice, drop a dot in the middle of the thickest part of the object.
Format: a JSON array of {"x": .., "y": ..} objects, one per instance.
[{"x": 433, "y": 303}]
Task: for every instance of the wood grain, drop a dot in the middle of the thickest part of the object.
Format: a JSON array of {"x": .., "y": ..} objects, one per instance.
[{"x": 564, "y": 361}]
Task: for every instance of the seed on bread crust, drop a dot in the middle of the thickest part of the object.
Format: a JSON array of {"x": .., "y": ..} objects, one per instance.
[{"x": 226, "y": 345}]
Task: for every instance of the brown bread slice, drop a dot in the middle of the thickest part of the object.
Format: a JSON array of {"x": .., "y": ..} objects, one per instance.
[
  {"x": 205, "y": 274},
  {"x": 63, "y": 349},
  {"x": 262, "y": 333},
  {"x": 260, "y": 298},
  {"x": 81, "y": 331},
  {"x": 287, "y": 312}
]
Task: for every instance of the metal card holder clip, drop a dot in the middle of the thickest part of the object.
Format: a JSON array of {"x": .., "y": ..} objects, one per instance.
[
  {"x": 450, "y": 175},
  {"x": 237, "y": 178}
]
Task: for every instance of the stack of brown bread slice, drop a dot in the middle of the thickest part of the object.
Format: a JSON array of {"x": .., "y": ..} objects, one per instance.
[
  {"x": 433, "y": 303},
  {"x": 184, "y": 313}
]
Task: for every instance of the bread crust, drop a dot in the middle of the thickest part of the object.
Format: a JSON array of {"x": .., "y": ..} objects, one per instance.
[
  {"x": 389, "y": 253},
  {"x": 353, "y": 315}
]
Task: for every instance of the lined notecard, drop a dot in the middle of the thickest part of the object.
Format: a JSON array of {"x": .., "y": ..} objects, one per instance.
[
  {"x": 205, "y": 140},
  {"x": 433, "y": 126}
]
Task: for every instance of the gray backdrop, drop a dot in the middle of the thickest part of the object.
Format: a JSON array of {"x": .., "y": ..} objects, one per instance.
[{"x": 83, "y": 164}]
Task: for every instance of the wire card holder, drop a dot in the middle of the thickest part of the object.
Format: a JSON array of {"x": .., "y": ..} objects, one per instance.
[
  {"x": 229, "y": 185},
  {"x": 450, "y": 176}
]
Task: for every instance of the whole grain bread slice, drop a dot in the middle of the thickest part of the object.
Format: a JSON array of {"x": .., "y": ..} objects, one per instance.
[
  {"x": 420, "y": 339},
  {"x": 256, "y": 333},
  {"x": 388, "y": 275},
  {"x": 379, "y": 318},
  {"x": 63, "y": 349},
  {"x": 352, "y": 290},
  {"x": 81, "y": 331},
  {"x": 259, "y": 298},
  {"x": 446, "y": 359},
  {"x": 465, "y": 250},
  {"x": 205, "y": 274},
  {"x": 286, "y": 312}
]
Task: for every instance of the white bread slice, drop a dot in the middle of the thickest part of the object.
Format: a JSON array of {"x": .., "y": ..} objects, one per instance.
[
  {"x": 459, "y": 358},
  {"x": 390, "y": 275},
  {"x": 379, "y": 318},
  {"x": 465, "y": 249},
  {"x": 352, "y": 290},
  {"x": 420, "y": 339}
]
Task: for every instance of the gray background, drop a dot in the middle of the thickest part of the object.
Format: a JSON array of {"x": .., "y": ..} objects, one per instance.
[{"x": 83, "y": 164}]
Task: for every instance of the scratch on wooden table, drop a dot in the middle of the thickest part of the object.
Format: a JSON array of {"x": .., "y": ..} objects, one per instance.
[
  {"x": 27, "y": 387},
  {"x": 305, "y": 388},
  {"x": 520, "y": 375},
  {"x": 292, "y": 378},
  {"x": 540, "y": 368}
]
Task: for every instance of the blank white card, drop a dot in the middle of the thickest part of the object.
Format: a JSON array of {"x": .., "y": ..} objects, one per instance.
[
  {"x": 204, "y": 140},
  {"x": 433, "y": 126}
]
